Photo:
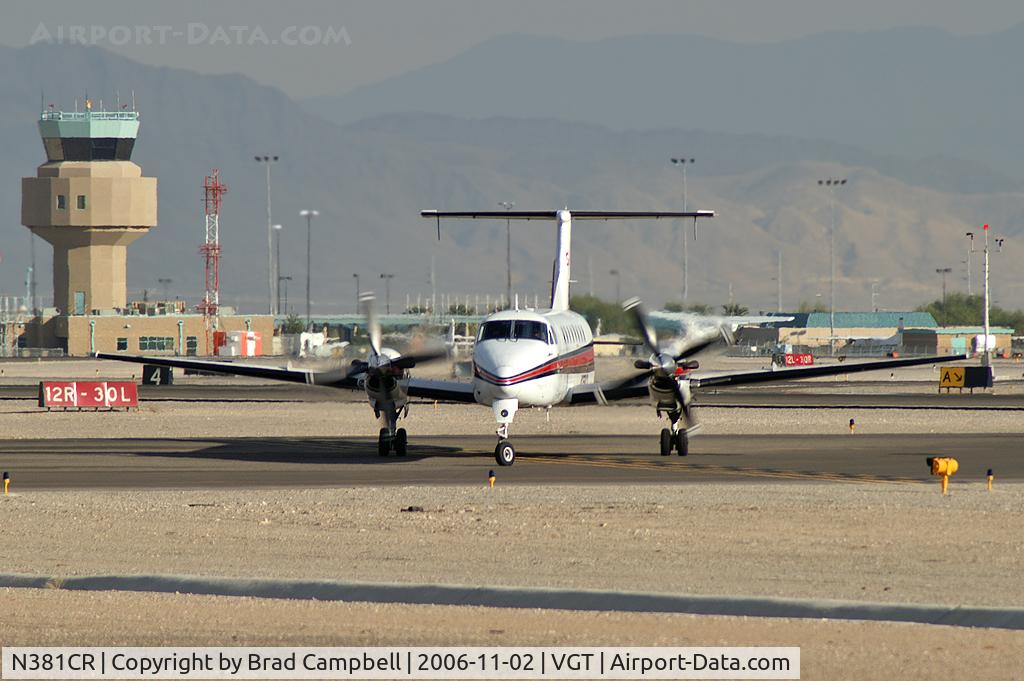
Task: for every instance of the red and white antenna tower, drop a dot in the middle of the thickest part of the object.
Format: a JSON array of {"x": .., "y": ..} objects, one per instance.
[{"x": 213, "y": 191}]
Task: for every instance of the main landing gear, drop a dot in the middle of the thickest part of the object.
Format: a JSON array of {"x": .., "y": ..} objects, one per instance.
[
  {"x": 674, "y": 438},
  {"x": 386, "y": 442},
  {"x": 392, "y": 438}
]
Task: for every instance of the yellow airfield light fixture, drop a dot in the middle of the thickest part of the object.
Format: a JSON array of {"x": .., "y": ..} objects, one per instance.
[{"x": 943, "y": 466}]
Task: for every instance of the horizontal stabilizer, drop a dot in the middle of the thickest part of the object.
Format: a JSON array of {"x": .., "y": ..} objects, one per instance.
[{"x": 576, "y": 215}]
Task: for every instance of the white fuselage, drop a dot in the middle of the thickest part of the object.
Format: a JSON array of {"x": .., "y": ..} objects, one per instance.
[{"x": 534, "y": 358}]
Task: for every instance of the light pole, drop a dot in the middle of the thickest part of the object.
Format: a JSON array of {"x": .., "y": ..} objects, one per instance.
[
  {"x": 277, "y": 267},
  {"x": 778, "y": 276},
  {"x": 943, "y": 271},
  {"x": 165, "y": 283},
  {"x": 387, "y": 291},
  {"x": 987, "y": 355},
  {"x": 356, "y": 277},
  {"x": 832, "y": 184},
  {"x": 32, "y": 303},
  {"x": 874, "y": 296},
  {"x": 309, "y": 215},
  {"x": 618, "y": 281},
  {"x": 266, "y": 161},
  {"x": 284, "y": 310},
  {"x": 986, "y": 360},
  {"x": 508, "y": 205},
  {"x": 681, "y": 162},
  {"x": 970, "y": 251}
]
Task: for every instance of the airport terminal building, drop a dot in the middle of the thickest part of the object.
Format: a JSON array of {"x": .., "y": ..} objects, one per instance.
[{"x": 89, "y": 201}]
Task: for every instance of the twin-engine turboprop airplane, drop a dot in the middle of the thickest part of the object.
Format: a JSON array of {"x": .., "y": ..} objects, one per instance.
[{"x": 544, "y": 358}]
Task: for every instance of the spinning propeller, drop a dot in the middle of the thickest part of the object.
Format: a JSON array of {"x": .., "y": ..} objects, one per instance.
[
  {"x": 664, "y": 368},
  {"x": 382, "y": 358}
]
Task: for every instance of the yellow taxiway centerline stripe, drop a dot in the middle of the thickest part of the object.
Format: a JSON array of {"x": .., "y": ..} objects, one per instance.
[{"x": 746, "y": 472}]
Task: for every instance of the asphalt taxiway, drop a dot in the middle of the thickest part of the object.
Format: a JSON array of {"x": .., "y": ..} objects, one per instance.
[{"x": 568, "y": 459}]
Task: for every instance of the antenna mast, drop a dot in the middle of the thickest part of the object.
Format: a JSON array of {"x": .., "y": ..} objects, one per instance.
[{"x": 213, "y": 191}]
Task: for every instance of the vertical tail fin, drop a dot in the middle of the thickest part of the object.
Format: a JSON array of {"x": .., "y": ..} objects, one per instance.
[{"x": 560, "y": 271}]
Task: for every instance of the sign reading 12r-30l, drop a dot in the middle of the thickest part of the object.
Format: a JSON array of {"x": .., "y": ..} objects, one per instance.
[{"x": 89, "y": 394}]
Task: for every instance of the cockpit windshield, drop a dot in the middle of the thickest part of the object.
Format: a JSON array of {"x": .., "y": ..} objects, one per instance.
[
  {"x": 496, "y": 330},
  {"x": 518, "y": 329}
]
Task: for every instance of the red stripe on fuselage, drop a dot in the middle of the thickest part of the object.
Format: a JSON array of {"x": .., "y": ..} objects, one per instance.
[{"x": 575, "y": 362}]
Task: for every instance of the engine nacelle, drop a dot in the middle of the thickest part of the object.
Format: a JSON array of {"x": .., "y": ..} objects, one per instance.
[{"x": 663, "y": 393}]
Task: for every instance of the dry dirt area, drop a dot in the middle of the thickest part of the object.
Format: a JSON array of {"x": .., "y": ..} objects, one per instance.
[
  {"x": 894, "y": 543},
  {"x": 830, "y": 650}
]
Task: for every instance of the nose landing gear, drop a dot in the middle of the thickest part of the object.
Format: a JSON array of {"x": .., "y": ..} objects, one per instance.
[
  {"x": 504, "y": 412},
  {"x": 505, "y": 453}
]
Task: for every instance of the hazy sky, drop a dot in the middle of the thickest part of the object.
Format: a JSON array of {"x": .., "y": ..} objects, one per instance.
[{"x": 372, "y": 40}]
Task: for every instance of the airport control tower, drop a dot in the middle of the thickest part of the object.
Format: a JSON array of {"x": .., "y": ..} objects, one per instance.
[{"x": 89, "y": 201}]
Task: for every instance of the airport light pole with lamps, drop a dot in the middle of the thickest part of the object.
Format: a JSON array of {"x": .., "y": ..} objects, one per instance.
[
  {"x": 284, "y": 310},
  {"x": 387, "y": 291},
  {"x": 832, "y": 184},
  {"x": 309, "y": 215},
  {"x": 970, "y": 252},
  {"x": 266, "y": 161},
  {"x": 986, "y": 357},
  {"x": 943, "y": 271},
  {"x": 508, "y": 205},
  {"x": 682, "y": 163},
  {"x": 618, "y": 282},
  {"x": 355, "y": 276},
  {"x": 277, "y": 266}
]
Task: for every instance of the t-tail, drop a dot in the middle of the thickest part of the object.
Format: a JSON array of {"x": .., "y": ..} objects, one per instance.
[
  {"x": 563, "y": 259},
  {"x": 563, "y": 218}
]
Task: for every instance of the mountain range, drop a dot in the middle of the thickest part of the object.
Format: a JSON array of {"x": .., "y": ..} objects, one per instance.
[{"x": 369, "y": 169}]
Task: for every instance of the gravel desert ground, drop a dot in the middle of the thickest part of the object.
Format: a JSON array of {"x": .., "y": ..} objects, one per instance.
[
  {"x": 830, "y": 650},
  {"x": 899, "y": 543}
]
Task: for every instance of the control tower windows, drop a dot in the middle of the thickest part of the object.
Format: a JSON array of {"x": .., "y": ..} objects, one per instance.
[
  {"x": 88, "y": 148},
  {"x": 81, "y": 202},
  {"x": 62, "y": 202}
]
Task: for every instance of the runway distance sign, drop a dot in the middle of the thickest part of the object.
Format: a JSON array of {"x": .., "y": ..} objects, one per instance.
[
  {"x": 794, "y": 359},
  {"x": 88, "y": 394}
]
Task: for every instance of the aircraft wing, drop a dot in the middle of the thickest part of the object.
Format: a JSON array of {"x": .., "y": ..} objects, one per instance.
[
  {"x": 335, "y": 378},
  {"x": 447, "y": 391},
  {"x": 747, "y": 377},
  {"x": 675, "y": 319},
  {"x": 601, "y": 393}
]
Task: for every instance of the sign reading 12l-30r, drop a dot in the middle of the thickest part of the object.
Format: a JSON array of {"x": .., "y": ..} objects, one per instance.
[{"x": 89, "y": 394}]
